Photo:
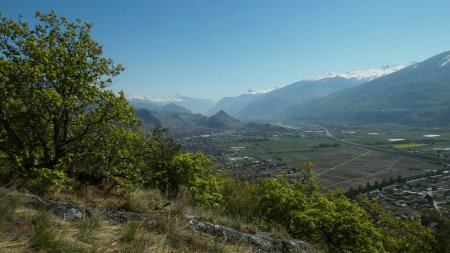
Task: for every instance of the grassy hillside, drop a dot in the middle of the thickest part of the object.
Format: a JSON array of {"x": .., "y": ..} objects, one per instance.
[{"x": 29, "y": 228}]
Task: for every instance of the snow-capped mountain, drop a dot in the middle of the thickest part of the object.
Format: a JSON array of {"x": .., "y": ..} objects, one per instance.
[
  {"x": 266, "y": 103},
  {"x": 364, "y": 75},
  {"x": 417, "y": 94},
  {"x": 446, "y": 61},
  {"x": 263, "y": 91}
]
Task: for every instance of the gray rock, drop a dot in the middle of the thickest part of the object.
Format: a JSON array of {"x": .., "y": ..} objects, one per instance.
[
  {"x": 262, "y": 242},
  {"x": 73, "y": 214}
]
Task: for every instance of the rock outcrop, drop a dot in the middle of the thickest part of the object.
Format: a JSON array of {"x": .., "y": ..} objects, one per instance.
[{"x": 261, "y": 242}]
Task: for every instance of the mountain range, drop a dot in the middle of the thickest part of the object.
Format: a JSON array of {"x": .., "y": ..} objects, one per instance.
[
  {"x": 415, "y": 94},
  {"x": 177, "y": 103},
  {"x": 187, "y": 122},
  {"x": 268, "y": 105}
]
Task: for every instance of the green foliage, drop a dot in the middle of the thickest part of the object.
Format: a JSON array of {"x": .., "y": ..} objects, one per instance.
[
  {"x": 441, "y": 229},
  {"x": 240, "y": 199},
  {"x": 58, "y": 120},
  {"x": 44, "y": 178},
  {"x": 120, "y": 157},
  {"x": 398, "y": 236},
  {"x": 158, "y": 168},
  {"x": 306, "y": 182},
  {"x": 338, "y": 224},
  {"x": 169, "y": 169},
  {"x": 299, "y": 207},
  {"x": 279, "y": 199},
  {"x": 195, "y": 172}
]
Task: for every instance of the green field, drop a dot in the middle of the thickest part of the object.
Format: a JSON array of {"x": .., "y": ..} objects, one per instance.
[
  {"x": 344, "y": 166},
  {"x": 409, "y": 145},
  {"x": 379, "y": 136}
]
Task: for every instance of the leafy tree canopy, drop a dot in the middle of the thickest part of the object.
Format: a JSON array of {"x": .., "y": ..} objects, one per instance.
[{"x": 55, "y": 108}]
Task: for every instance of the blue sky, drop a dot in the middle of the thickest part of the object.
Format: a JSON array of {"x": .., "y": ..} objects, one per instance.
[{"x": 217, "y": 48}]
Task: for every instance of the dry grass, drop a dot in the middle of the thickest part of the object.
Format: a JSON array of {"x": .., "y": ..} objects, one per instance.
[
  {"x": 89, "y": 226},
  {"x": 87, "y": 196},
  {"x": 279, "y": 232},
  {"x": 145, "y": 201},
  {"x": 24, "y": 229},
  {"x": 238, "y": 223}
]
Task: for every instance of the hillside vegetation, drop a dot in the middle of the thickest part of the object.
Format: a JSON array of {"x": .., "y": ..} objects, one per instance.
[{"x": 66, "y": 136}]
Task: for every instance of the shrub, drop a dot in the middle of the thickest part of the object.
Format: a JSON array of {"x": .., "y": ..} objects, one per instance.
[
  {"x": 278, "y": 200},
  {"x": 240, "y": 199},
  {"x": 337, "y": 224}
]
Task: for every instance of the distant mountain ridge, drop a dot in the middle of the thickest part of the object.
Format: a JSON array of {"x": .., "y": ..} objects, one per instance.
[
  {"x": 267, "y": 105},
  {"x": 186, "y": 122},
  {"x": 195, "y": 105},
  {"x": 223, "y": 120},
  {"x": 417, "y": 94},
  {"x": 365, "y": 75}
]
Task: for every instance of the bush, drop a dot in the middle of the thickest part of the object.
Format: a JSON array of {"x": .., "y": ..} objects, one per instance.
[
  {"x": 278, "y": 200},
  {"x": 240, "y": 199},
  {"x": 191, "y": 171},
  {"x": 338, "y": 224}
]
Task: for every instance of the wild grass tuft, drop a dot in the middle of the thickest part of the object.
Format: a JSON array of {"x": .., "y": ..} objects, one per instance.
[
  {"x": 130, "y": 231},
  {"x": 89, "y": 225},
  {"x": 151, "y": 243},
  {"x": 180, "y": 204},
  {"x": 279, "y": 232},
  {"x": 144, "y": 201},
  {"x": 238, "y": 223},
  {"x": 10, "y": 202},
  {"x": 45, "y": 235}
]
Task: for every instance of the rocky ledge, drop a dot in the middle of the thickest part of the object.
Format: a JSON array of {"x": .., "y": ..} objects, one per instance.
[{"x": 261, "y": 242}]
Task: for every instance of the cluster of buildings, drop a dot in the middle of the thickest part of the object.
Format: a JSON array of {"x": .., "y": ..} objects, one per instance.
[
  {"x": 250, "y": 168},
  {"x": 408, "y": 199}
]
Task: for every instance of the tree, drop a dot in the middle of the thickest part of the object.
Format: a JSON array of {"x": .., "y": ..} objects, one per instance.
[
  {"x": 55, "y": 108},
  {"x": 398, "y": 236},
  {"x": 338, "y": 224},
  {"x": 278, "y": 199},
  {"x": 169, "y": 169},
  {"x": 441, "y": 229},
  {"x": 306, "y": 181},
  {"x": 194, "y": 171},
  {"x": 158, "y": 166}
]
